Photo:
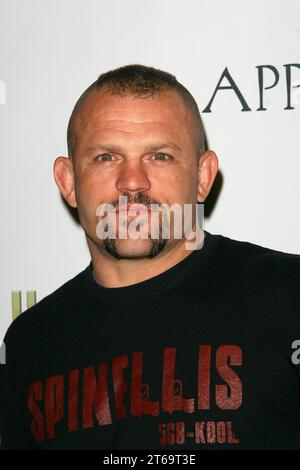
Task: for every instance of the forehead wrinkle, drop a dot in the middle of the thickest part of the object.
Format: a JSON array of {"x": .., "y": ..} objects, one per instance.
[
  {"x": 148, "y": 146},
  {"x": 126, "y": 127},
  {"x": 100, "y": 119},
  {"x": 126, "y": 122},
  {"x": 91, "y": 112}
]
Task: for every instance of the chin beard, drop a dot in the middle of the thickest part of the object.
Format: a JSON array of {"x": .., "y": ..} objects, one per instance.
[{"x": 111, "y": 246}]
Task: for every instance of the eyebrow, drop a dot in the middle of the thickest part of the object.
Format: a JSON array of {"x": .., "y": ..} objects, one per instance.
[{"x": 148, "y": 148}]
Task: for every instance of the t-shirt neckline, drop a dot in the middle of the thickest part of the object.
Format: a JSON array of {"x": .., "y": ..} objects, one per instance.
[{"x": 140, "y": 291}]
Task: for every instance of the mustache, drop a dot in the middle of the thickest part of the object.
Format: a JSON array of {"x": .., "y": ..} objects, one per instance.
[{"x": 138, "y": 198}]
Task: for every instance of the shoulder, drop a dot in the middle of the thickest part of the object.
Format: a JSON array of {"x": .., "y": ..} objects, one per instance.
[
  {"x": 257, "y": 261},
  {"x": 27, "y": 328}
]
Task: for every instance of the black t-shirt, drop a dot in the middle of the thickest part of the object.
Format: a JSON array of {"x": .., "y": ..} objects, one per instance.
[{"x": 200, "y": 356}]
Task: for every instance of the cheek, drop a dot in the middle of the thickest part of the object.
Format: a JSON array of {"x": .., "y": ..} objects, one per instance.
[
  {"x": 191, "y": 180},
  {"x": 91, "y": 191},
  {"x": 184, "y": 184},
  {"x": 86, "y": 183},
  {"x": 169, "y": 177}
]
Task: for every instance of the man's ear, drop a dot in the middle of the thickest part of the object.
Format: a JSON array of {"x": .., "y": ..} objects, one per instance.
[
  {"x": 64, "y": 177},
  {"x": 208, "y": 168}
]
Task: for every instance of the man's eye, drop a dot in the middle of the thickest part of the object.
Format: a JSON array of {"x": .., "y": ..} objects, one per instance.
[
  {"x": 104, "y": 157},
  {"x": 161, "y": 156},
  {"x": 107, "y": 157}
]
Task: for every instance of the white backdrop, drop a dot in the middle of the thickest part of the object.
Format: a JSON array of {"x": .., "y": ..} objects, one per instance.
[{"x": 51, "y": 50}]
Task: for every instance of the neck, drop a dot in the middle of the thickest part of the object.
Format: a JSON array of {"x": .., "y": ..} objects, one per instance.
[{"x": 111, "y": 272}]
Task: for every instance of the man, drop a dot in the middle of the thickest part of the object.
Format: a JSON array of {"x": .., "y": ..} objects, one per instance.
[{"x": 154, "y": 345}]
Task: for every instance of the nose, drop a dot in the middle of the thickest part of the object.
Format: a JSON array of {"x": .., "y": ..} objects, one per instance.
[{"x": 133, "y": 177}]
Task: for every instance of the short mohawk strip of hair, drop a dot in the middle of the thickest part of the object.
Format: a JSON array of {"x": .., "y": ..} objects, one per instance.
[{"x": 139, "y": 81}]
